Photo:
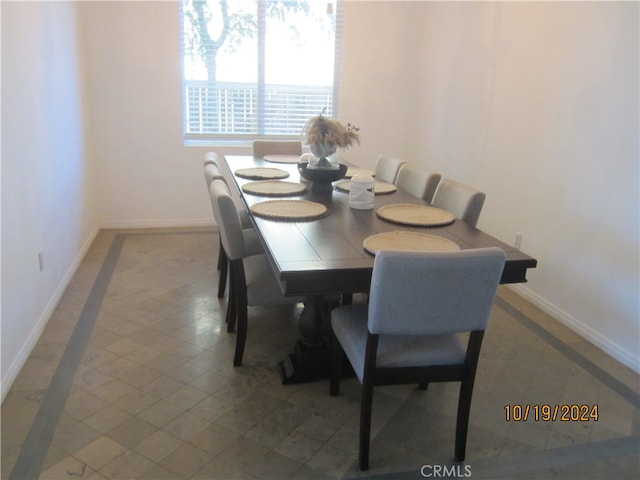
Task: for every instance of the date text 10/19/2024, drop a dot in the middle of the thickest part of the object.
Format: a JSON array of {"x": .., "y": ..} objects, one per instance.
[{"x": 551, "y": 413}]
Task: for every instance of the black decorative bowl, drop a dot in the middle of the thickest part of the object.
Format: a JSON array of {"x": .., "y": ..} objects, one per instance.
[{"x": 321, "y": 178}]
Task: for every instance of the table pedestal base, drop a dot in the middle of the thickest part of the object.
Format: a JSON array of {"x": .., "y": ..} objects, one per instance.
[
  {"x": 307, "y": 363},
  {"x": 311, "y": 358}
]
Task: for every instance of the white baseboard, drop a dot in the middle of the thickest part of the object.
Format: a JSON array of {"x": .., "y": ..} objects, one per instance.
[
  {"x": 18, "y": 362},
  {"x": 170, "y": 223},
  {"x": 616, "y": 351}
]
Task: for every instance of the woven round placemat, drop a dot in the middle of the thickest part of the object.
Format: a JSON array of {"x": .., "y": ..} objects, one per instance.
[
  {"x": 379, "y": 188},
  {"x": 415, "y": 215},
  {"x": 351, "y": 171},
  {"x": 261, "y": 173},
  {"x": 273, "y": 188},
  {"x": 282, "y": 158},
  {"x": 408, "y": 241},
  {"x": 289, "y": 210}
]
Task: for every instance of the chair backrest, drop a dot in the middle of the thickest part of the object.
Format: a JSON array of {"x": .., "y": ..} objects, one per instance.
[
  {"x": 463, "y": 201},
  {"x": 226, "y": 215},
  {"x": 434, "y": 293},
  {"x": 419, "y": 183},
  {"x": 276, "y": 147},
  {"x": 211, "y": 157},
  {"x": 387, "y": 168},
  {"x": 211, "y": 172}
]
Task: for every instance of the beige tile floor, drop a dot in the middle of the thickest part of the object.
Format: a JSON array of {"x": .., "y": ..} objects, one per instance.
[{"x": 154, "y": 394}]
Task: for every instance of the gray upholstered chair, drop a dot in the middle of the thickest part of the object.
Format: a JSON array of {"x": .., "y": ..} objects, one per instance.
[
  {"x": 464, "y": 201},
  {"x": 212, "y": 157},
  {"x": 387, "y": 168},
  {"x": 212, "y": 171},
  {"x": 419, "y": 183},
  {"x": 414, "y": 329},
  {"x": 252, "y": 281},
  {"x": 276, "y": 147}
]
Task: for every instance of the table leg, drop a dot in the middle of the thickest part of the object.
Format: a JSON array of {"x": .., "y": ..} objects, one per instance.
[{"x": 311, "y": 359}]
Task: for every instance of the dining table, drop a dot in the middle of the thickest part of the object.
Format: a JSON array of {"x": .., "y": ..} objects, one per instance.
[{"x": 323, "y": 257}]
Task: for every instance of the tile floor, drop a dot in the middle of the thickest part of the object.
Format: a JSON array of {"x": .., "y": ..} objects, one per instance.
[{"x": 154, "y": 393}]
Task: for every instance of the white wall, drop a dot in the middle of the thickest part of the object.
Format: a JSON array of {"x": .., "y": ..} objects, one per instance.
[
  {"x": 47, "y": 188},
  {"x": 147, "y": 176},
  {"x": 536, "y": 103},
  {"x": 380, "y": 78}
]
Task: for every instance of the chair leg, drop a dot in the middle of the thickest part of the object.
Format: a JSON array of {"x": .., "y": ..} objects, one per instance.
[
  {"x": 232, "y": 303},
  {"x": 337, "y": 358},
  {"x": 366, "y": 406},
  {"x": 367, "y": 398},
  {"x": 241, "y": 335},
  {"x": 423, "y": 385},
  {"x": 462, "y": 422},
  {"x": 240, "y": 286},
  {"x": 466, "y": 391},
  {"x": 223, "y": 263}
]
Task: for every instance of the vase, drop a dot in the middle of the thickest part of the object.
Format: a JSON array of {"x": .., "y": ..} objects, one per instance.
[
  {"x": 322, "y": 151},
  {"x": 321, "y": 178}
]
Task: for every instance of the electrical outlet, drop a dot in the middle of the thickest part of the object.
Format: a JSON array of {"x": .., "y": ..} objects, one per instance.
[
  {"x": 41, "y": 259},
  {"x": 518, "y": 240}
]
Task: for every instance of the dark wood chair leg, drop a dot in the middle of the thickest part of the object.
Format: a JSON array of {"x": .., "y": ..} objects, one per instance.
[
  {"x": 462, "y": 422},
  {"x": 366, "y": 406},
  {"x": 241, "y": 302},
  {"x": 466, "y": 392},
  {"x": 337, "y": 358},
  {"x": 241, "y": 336},
  {"x": 232, "y": 303},
  {"x": 366, "y": 403},
  {"x": 229, "y": 317},
  {"x": 423, "y": 385},
  {"x": 222, "y": 279},
  {"x": 223, "y": 263}
]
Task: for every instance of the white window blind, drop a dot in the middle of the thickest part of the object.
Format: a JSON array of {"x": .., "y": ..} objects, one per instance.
[{"x": 258, "y": 68}]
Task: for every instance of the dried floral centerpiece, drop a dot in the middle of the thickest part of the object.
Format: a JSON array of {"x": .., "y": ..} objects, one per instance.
[{"x": 324, "y": 136}]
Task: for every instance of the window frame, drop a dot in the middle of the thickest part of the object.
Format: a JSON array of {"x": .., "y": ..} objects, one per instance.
[{"x": 243, "y": 139}]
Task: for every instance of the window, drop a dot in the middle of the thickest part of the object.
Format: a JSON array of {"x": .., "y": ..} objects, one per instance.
[{"x": 258, "y": 68}]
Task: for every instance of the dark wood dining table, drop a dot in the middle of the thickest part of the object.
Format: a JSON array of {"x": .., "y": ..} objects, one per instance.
[{"x": 324, "y": 260}]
